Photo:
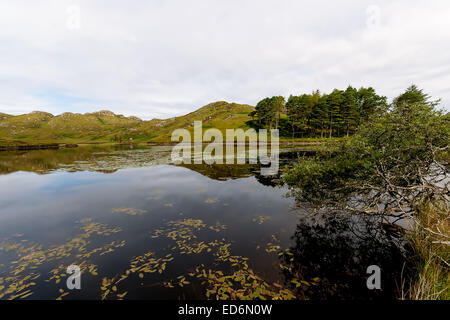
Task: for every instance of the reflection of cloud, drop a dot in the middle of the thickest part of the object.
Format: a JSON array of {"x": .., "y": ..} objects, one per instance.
[{"x": 160, "y": 59}]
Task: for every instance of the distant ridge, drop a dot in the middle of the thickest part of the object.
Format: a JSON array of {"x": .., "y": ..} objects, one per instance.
[{"x": 106, "y": 126}]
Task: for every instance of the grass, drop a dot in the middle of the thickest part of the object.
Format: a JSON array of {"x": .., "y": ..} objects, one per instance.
[
  {"x": 430, "y": 239},
  {"x": 100, "y": 120}
]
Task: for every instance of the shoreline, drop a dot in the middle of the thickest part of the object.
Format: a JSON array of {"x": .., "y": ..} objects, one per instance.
[{"x": 43, "y": 146}]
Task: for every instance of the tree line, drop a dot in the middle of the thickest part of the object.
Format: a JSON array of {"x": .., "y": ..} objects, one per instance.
[{"x": 317, "y": 114}]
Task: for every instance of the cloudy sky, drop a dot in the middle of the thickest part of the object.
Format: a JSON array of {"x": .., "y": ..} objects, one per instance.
[{"x": 162, "y": 58}]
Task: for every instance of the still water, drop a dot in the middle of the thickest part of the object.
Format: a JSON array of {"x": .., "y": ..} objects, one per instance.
[{"x": 141, "y": 228}]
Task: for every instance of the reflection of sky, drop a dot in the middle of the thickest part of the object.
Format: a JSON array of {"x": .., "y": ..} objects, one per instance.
[
  {"x": 36, "y": 204},
  {"x": 47, "y": 209}
]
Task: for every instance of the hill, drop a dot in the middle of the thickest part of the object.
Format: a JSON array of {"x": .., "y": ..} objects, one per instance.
[{"x": 105, "y": 126}]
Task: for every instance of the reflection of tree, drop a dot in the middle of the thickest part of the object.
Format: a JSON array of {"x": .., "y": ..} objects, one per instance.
[
  {"x": 285, "y": 157},
  {"x": 236, "y": 171},
  {"x": 270, "y": 181},
  {"x": 338, "y": 249},
  {"x": 223, "y": 171}
]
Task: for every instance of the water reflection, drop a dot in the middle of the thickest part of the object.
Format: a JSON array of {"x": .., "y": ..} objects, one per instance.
[
  {"x": 110, "y": 158},
  {"x": 151, "y": 230},
  {"x": 337, "y": 249},
  {"x": 101, "y": 158}
]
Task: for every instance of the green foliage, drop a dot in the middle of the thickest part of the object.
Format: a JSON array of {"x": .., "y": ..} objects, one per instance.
[
  {"x": 414, "y": 95},
  {"x": 268, "y": 110},
  {"x": 311, "y": 115},
  {"x": 395, "y": 165},
  {"x": 370, "y": 104},
  {"x": 299, "y": 109},
  {"x": 391, "y": 153}
]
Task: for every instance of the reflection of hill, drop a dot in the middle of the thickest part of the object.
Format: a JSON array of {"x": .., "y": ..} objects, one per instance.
[
  {"x": 110, "y": 158},
  {"x": 41, "y": 161},
  {"x": 106, "y": 159}
]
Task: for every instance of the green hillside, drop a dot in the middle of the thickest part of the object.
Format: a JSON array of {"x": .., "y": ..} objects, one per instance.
[{"x": 105, "y": 126}]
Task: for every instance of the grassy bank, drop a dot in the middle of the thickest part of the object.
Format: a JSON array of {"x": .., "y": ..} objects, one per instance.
[{"x": 430, "y": 239}]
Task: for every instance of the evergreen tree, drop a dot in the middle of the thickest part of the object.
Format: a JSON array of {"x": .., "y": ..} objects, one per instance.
[
  {"x": 293, "y": 106},
  {"x": 335, "y": 101},
  {"x": 349, "y": 109},
  {"x": 369, "y": 103},
  {"x": 414, "y": 95}
]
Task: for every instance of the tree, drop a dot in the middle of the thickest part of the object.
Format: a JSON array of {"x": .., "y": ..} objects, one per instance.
[
  {"x": 395, "y": 155},
  {"x": 315, "y": 97},
  {"x": 394, "y": 167},
  {"x": 264, "y": 112},
  {"x": 293, "y": 106},
  {"x": 306, "y": 105},
  {"x": 369, "y": 103},
  {"x": 278, "y": 105},
  {"x": 414, "y": 95},
  {"x": 335, "y": 100},
  {"x": 349, "y": 109},
  {"x": 338, "y": 113},
  {"x": 319, "y": 115},
  {"x": 268, "y": 110},
  {"x": 299, "y": 109}
]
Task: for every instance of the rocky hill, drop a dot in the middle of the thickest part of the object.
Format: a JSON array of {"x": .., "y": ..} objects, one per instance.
[{"x": 105, "y": 126}]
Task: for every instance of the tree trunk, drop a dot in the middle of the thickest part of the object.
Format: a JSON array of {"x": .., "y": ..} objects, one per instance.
[
  {"x": 278, "y": 119},
  {"x": 292, "y": 130},
  {"x": 331, "y": 128}
]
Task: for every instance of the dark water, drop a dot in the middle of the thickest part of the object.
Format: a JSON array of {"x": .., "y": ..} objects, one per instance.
[{"x": 141, "y": 228}]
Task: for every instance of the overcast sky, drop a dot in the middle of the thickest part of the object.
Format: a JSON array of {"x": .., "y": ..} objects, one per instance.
[{"x": 164, "y": 58}]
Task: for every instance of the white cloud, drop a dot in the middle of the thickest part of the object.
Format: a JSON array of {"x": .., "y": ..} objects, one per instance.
[{"x": 165, "y": 58}]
